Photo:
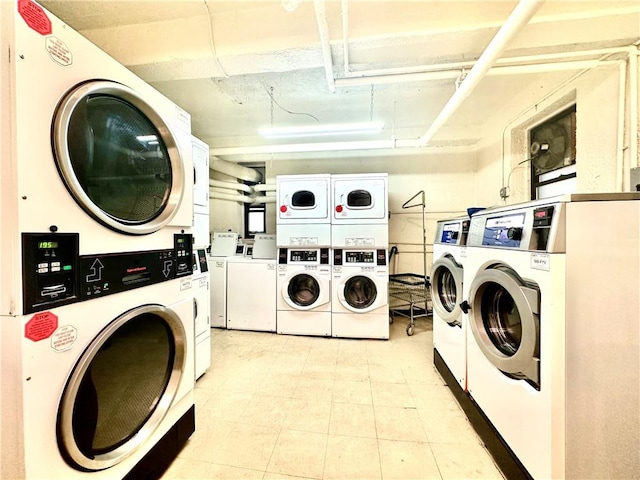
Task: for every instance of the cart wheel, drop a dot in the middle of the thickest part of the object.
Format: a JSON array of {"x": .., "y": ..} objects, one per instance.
[
  {"x": 409, "y": 330},
  {"x": 390, "y": 319}
]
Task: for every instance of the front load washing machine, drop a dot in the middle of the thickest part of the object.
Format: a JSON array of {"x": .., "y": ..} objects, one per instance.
[
  {"x": 360, "y": 210},
  {"x": 303, "y": 210},
  {"x": 304, "y": 291},
  {"x": 447, "y": 280},
  {"x": 551, "y": 340},
  {"x": 360, "y": 293},
  {"x": 93, "y": 150},
  {"x": 101, "y": 388}
]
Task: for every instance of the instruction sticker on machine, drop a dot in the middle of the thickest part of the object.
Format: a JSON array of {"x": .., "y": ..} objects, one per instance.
[
  {"x": 540, "y": 261},
  {"x": 64, "y": 338}
]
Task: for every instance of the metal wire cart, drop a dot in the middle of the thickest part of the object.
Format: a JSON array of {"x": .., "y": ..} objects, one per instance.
[{"x": 411, "y": 289}]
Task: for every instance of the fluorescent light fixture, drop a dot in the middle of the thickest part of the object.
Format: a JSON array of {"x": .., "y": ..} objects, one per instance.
[{"x": 322, "y": 130}]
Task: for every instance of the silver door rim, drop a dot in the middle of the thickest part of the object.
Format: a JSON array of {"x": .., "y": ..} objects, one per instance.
[
  {"x": 521, "y": 362},
  {"x": 114, "y": 457},
  {"x": 341, "y": 296},
  {"x": 322, "y": 297},
  {"x": 447, "y": 263},
  {"x": 61, "y": 146}
]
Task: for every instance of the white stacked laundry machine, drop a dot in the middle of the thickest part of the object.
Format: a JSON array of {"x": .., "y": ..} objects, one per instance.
[
  {"x": 303, "y": 227},
  {"x": 96, "y": 317},
  {"x": 359, "y": 241},
  {"x": 552, "y": 348}
]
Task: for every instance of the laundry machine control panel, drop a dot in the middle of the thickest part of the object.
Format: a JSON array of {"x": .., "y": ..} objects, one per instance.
[{"x": 49, "y": 266}]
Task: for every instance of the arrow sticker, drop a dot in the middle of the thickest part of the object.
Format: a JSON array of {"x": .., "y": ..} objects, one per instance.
[
  {"x": 167, "y": 268},
  {"x": 96, "y": 271}
]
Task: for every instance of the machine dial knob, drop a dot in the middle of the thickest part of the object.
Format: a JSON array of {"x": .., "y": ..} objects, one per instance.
[{"x": 514, "y": 233}]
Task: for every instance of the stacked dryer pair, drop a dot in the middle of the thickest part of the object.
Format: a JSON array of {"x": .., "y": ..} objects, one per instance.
[
  {"x": 303, "y": 237},
  {"x": 359, "y": 242},
  {"x": 96, "y": 330}
]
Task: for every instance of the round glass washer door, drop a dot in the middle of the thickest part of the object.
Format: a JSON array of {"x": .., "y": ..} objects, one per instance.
[
  {"x": 117, "y": 157},
  {"x": 121, "y": 387},
  {"x": 505, "y": 322},
  {"x": 446, "y": 289},
  {"x": 304, "y": 291},
  {"x": 358, "y": 293}
]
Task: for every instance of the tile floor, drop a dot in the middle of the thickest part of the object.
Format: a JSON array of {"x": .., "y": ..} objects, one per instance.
[{"x": 283, "y": 407}]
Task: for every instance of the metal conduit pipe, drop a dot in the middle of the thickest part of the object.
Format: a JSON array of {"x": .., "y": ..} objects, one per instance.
[
  {"x": 520, "y": 16},
  {"x": 325, "y": 45}
]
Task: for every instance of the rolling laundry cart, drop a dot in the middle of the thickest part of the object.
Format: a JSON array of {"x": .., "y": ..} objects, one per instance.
[{"x": 412, "y": 290}]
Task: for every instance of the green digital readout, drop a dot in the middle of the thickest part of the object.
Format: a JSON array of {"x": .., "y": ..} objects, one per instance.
[{"x": 43, "y": 245}]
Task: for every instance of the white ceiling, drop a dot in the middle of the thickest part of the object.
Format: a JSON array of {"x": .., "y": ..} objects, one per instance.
[{"x": 236, "y": 66}]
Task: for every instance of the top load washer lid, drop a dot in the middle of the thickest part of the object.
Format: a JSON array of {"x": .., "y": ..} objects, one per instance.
[
  {"x": 264, "y": 246},
  {"x": 303, "y": 198},
  {"x": 360, "y": 198},
  {"x": 224, "y": 244}
]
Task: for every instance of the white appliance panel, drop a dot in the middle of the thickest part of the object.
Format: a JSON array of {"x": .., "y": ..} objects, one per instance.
[
  {"x": 255, "y": 280},
  {"x": 359, "y": 198},
  {"x": 303, "y": 199}
]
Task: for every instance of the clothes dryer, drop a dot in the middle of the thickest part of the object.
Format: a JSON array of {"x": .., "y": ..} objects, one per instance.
[
  {"x": 447, "y": 280},
  {"x": 303, "y": 217},
  {"x": 94, "y": 149},
  {"x": 304, "y": 291},
  {"x": 360, "y": 293},
  {"x": 100, "y": 389},
  {"x": 359, "y": 210},
  {"x": 542, "y": 279},
  {"x": 201, "y": 285},
  {"x": 200, "y": 155}
]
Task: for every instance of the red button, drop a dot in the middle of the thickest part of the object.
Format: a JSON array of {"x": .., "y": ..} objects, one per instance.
[
  {"x": 283, "y": 208},
  {"x": 338, "y": 208}
]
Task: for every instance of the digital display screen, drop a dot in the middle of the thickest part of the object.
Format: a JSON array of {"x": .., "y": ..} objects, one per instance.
[
  {"x": 304, "y": 255},
  {"x": 450, "y": 233},
  {"x": 496, "y": 230},
  {"x": 44, "y": 245},
  {"x": 359, "y": 257}
]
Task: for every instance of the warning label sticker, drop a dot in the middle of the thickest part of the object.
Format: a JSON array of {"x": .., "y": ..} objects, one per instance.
[
  {"x": 34, "y": 16},
  {"x": 58, "y": 51},
  {"x": 41, "y": 326},
  {"x": 64, "y": 338}
]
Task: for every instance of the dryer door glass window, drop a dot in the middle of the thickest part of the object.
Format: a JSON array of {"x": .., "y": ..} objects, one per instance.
[
  {"x": 303, "y": 199},
  {"x": 360, "y": 292},
  {"x": 303, "y": 290},
  {"x": 117, "y": 158},
  {"x": 446, "y": 289},
  {"x": 359, "y": 199},
  {"x": 501, "y": 318},
  {"x": 121, "y": 388}
]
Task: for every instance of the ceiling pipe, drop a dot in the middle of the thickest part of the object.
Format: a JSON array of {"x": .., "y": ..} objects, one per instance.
[
  {"x": 240, "y": 187},
  {"x": 520, "y": 16},
  {"x": 323, "y": 29},
  {"x": 234, "y": 170}
]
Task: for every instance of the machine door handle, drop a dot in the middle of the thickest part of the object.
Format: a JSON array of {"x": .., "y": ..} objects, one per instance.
[{"x": 465, "y": 307}]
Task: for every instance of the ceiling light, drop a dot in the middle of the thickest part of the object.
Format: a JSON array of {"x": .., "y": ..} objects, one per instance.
[{"x": 322, "y": 130}]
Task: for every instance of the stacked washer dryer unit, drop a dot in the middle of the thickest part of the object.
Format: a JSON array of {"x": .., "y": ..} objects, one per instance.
[
  {"x": 447, "y": 280},
  {"x": 201, "y": 281},
  {"x": 96, "y": 327},
  {"x": 303, "y": 236},
  {"x": 553, "y": 341},
  {"x": 359, "y": 239}
]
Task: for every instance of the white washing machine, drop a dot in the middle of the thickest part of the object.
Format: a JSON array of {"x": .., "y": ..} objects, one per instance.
[
  {"x": 200, "y": 155},
  {"x": 447, "y": 280},
  {"x": 360, "y": 293},
  {"x": 303, "y": 217},
  {"x": 101, "y": 388},
  {"x": 93, "y": 150},
  {"x": 200, "y": 282},
  {"x": 251, "y": 294},
  {"x": 359, "y": 210},
  {"x": 304, "y": 291},
  {"x": 552, "y": 351}
]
